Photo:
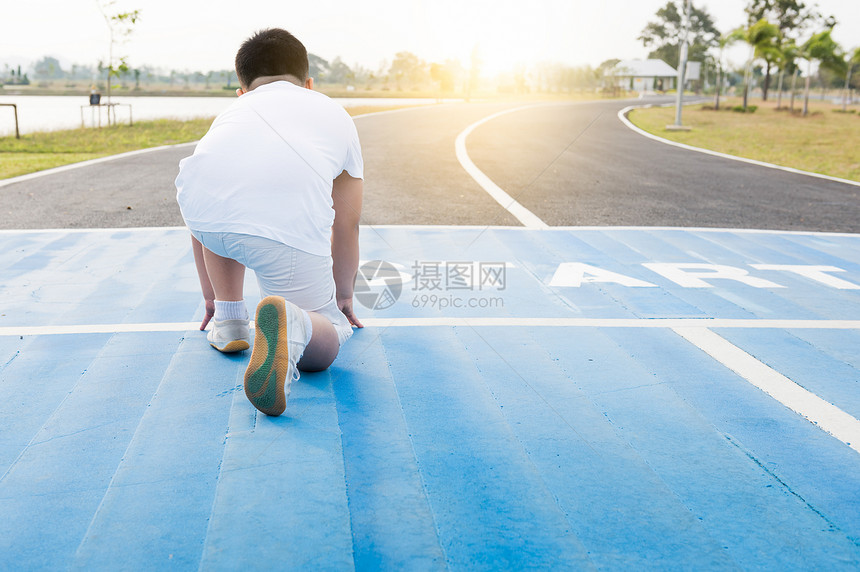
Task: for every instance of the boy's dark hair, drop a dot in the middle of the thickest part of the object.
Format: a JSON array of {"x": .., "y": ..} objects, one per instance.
[{"x": 271, "y": 52}]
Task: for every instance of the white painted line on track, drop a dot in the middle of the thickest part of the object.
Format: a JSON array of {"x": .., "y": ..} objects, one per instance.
[
  {"x": 93, "y": 230},
  {"x": 822, "y": 234},
  {"x": 98, "y": 329},
  {"x": 825, "y": 415},
  {"x": 89, "y": 163},
  {"x": 522, "y": 214},
  {"x": 398, "y": 110},
  {"x": 469, "y": 322},
  {"x": 622, "y": 115}
]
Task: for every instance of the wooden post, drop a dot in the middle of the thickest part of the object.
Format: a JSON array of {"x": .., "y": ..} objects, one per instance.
[{"x": 15, "y": 110}]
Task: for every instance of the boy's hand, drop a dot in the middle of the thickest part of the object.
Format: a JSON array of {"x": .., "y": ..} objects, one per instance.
[
  {"x": 345, "y": 306},
  {"x": 210, "y": 311}
]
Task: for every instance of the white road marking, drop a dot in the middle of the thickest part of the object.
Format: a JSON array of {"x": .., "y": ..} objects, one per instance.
[
  {"x": 88, "y": 163},
  {"x": 690, "y": 274},
  {"x": 398, "y": 110},
  {"x": 471, "y": 322},
  {"x": 522, "y": 214},
  {"x": 816, "y": 273},
  {"x": 26, "y": 231},
  {"x": 816, "y": 410},
  {"x": 622, "y": 115},
  {"x": 574, "y": 274}
]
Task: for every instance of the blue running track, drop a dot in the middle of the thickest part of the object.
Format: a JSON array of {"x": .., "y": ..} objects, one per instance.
[{"x": 572, "y": 398}]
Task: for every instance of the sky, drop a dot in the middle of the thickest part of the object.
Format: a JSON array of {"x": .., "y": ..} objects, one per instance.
[{"x": 203, "y": 35}]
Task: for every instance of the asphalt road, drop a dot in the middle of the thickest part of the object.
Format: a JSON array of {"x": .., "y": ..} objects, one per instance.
[
  {"x": 580, "y": 165},
  {"x": 570, "y": 164}
]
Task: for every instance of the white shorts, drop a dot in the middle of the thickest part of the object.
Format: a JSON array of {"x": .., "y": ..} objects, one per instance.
[{"x": 304, "y": 279}]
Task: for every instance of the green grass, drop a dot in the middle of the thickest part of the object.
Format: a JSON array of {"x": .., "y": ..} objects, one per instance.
[
  {"x": 44, "y": 150},
  {"x": 823, "y": 142}
]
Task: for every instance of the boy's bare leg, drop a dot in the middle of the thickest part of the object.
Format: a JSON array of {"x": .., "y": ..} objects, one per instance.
[
  {"x": 323, "y": 347},
  {"x": 226, "y": 276},
  {"x": 222, "y": 280}
]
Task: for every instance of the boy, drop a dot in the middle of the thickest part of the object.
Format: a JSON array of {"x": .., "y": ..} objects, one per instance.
[{"x": 276, "y": 186}]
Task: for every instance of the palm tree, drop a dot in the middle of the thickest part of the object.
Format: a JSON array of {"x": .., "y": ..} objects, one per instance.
[
  {"x": 771, "y": 54},
  {"x": 724, "y": 41},
  {"x": 786, "y": 61},
  {"x": 760, "y": 37},
  {"x": 824, "y": 49}
]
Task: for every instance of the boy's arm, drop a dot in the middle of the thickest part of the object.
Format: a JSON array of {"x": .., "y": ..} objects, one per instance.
[
  {"x": 205, "y": 284},
  {"x": 346, "y": 194}
]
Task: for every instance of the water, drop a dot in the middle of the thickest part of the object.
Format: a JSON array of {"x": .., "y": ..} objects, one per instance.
[{"x": 48, "y": 112}]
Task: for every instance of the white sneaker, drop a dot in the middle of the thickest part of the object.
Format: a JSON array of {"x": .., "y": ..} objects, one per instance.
[
  {"x": 230, "y": 335},
  {"x": 279, "y": 342}
]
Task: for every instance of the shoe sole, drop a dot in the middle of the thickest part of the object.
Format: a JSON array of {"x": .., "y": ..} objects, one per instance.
[
  {"x": 270, "y": 359},
  {"x": 234, "y": 346}
]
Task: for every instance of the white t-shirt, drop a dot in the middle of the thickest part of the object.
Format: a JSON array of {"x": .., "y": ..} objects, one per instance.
[{"x": 266, "y": 167}]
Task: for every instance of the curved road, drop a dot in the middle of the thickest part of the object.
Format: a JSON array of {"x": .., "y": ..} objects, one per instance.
[{"x": 570, "y": 164}]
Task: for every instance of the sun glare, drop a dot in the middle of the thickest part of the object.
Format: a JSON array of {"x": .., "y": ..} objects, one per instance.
[
  {"x": 502, "y": 34},
  {"x": 510, "y": 34}
]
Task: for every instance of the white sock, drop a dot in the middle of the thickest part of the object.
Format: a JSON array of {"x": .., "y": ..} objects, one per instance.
[{"x": 230, "y": 310}]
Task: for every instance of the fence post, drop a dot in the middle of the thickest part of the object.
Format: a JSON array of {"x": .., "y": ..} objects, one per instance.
[{"x": 15, "y": 109}]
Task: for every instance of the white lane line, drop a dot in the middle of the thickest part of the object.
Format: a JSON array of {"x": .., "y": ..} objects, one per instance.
[
  {"x": 522, "y": 214},
  {"x": 90, "y": 162},
  {"x": 398, "y": 110},
  {"x": 98, "y": 329},
  {"x": 470, "y": 322},
  {"x": 622, "y": 115},
  {"x": 803, "y": 402},
  {"x": 28, "y": 231}
]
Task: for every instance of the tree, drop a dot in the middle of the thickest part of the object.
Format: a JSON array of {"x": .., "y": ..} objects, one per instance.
[
  {"x": 788, "y": 15},
  {"x": 120, "y": 26},
  {"x": 446, "y": 74},
  {"x": 786, "y": 63},
  {"x": 666, "y": 34},
  {"x": 761, "y": 38},
  {"x": 770, "y": 52},
  {"x": 851, "y": 60},
  {"x": 475, "y": 63},
  {"x": 339, "y": 72},
  {"x": 823, "y": 49},
  {"x": 409, "y": 67},
  {"x": 17, "y": 79},
  {"x": 723, "y": 42},
  {"x": 791, "y": 18},
  {"x": 317, "y": 67},
  {"x": 48, "y": 68}
]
